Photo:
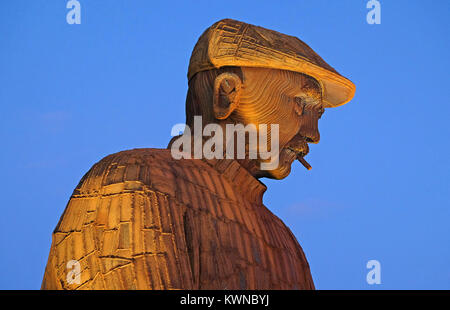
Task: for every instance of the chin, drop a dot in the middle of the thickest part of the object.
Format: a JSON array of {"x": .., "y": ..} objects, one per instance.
[{"x": 283, "y": 170}]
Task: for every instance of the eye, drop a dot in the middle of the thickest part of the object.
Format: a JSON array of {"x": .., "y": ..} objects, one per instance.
[{"x": 299, "y": 105}]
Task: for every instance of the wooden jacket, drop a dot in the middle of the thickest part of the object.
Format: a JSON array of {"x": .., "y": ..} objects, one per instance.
[{"x": 140, "y": 219}]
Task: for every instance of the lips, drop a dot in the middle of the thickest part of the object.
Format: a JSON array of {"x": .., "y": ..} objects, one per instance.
[
  {"x": 298, "y": 152},
  {"x": 295, "y": 149},
  {"x": 292, "y": 154}
]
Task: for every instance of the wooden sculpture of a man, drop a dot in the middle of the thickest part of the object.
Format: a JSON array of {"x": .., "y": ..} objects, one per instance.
[{"x": 142, "y": 219}]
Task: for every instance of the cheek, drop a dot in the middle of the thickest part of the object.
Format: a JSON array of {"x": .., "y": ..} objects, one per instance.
[
  {"x": 289, "y": 127},
  {"x": 279, "y": 112}
]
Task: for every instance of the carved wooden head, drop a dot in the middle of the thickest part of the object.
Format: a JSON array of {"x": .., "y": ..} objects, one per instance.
[
  {"x": 260, "y": 96},
  {"x": 245, "y": 74}
]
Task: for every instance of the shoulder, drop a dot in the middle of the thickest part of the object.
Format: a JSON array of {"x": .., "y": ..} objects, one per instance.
[{"x": 135, "y": 169}]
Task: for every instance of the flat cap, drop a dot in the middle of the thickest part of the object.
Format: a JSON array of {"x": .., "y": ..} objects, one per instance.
[{"x": 233, "y": 43}]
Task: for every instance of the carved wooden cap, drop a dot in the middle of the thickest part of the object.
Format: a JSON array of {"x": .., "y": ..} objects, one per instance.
[{"x": 233, "y": 43}]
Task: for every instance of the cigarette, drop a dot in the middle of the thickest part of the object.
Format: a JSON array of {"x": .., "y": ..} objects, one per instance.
[{"x": 304, "y": 162}]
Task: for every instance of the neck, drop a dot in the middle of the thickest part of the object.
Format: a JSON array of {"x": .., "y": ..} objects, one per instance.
[{"x": 242, "y": 173}]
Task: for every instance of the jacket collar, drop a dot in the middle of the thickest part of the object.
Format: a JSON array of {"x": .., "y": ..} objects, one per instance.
[{"x": 249, "y": 186}]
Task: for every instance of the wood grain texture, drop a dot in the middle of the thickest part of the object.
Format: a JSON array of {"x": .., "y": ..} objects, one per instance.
[
  {"x": 288, "y": 99},
  {"x": 142, "y": 220}
]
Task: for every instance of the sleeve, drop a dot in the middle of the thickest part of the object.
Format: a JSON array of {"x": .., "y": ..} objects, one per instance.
[{"x": 119, "y": 233}]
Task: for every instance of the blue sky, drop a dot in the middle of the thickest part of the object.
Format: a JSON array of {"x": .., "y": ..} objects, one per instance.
[{"x": 379, "y": 188}]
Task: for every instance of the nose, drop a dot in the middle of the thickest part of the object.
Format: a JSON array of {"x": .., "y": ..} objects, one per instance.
[{"x": 310, "y": 130}]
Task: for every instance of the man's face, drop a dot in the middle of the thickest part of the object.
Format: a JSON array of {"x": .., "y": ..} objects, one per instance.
[{"x": 290, "y": 99}]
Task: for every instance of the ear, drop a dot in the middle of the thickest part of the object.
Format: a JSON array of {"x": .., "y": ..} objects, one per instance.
[{"x": 227, "y": 91}]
